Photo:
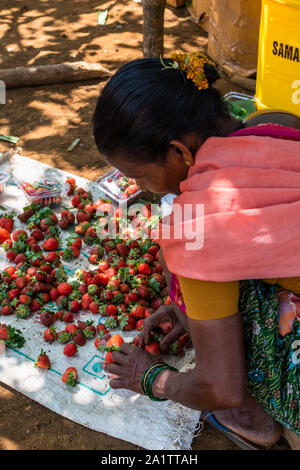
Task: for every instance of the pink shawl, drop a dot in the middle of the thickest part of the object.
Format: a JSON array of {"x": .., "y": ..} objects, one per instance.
[{"x": 249, "y": 184}]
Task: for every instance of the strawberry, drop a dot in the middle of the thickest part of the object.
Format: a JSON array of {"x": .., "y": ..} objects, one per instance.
[
  {"x": 35, "y": 306},
  {"x": 138, "y": 311},
  {"x": 70, "y": 376},
  {"x": 123, "y": 249},
  {"x": 75, "y": 201},
  {"x": 143, "y": 268},
  {"x": 94, "y": 307},
  {"x": 111, "y": 310},
  {"x": 74, "y": 306},
  {"x": 82, "y": 216},
  {"x": 71, "y": 253},
  {"x": 68, "y": 317},
  {"x": 42, "y": 361},
  {"x": 6, "y": 310},
  {"x": 71, "y": 328},
  {"x": 63, "y": 337},
  {"x": 47, "y": 318},
  {"x": 38, "y": 234},
  {"x": 102, "y": 328},
  {"x": 50, "y": 334},
  {"x": 115, "y": 342},
  {"x": 63, "y": 224},
  {"x": 108, "y": 359},
  {"x": 152, "y": 348},
  {"x": 89, "y": 331},
  {"x": 24, "y": 299},
  {"x": 64, "y": 288},
  {"x": 79, "y": 338},
  {"x": 140, "y": 324},
  {"x": 52, "y": 257},
  {"x": 19, "y": 234},
  {"x": 176, "y": 348},
  {"x": 127, "y": 322},
  {"x": 86, "y": 300},
  {"x": 51, "y": 244},
  {"x": 100, "y": 344},
  {"x": 70, "y": 349},
  {"x": 10, "y": 255}
]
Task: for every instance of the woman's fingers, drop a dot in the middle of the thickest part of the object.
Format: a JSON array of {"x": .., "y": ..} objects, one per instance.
[
  {"x": 118, "y": 383},
  {"x": 162, "y": 314},
  {"x": 172, "y": 336}
]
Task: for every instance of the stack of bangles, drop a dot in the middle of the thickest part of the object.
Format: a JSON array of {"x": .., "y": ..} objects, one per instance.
[{"x": 150, "y": 375}]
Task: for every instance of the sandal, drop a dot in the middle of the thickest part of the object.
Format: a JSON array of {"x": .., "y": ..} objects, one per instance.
[{"x": 238, "y": 440}]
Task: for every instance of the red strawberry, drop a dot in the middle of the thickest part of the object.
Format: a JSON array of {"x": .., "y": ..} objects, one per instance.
[
  {"x": 140, "y": 324},
  {"x": 111, "y": 310},
  {"x": 35, "y": 306},
  {"x": 68, "y": 317},
  {"x": 152, "y": 348},
  {"x": 63, "y": 336},
  {"x": 6, "y": 310},
  {"x": 52, "y": 257},
  {"x": 51, "y": 244},
  {"x": 71, "y": 328},
  {"x": 64, "y": 288},
  {"x": 143, "y": 268},
  {"x": 10, "y": 255},
  {"x": 74, "y": 306},
  {"x": 138, "y": 311},
  {"x": 70, "y": 376},
  {"x": 94, "y": 307},
  {"x": 79, "y": 338},
  {"x": 42, "y": 361},
  {"x": 70, "y": 349},
  {"x": 50, "y": 334},
  {"x": 24, "y": 299},
  {"x": 86, "y": 300},
  {"x": 47, "y": 318},
  {"x": 38, "y": 234},
  {"x": 4, "y": 333},
  {"x": 127, "y": 322},
  {"x": 63, "y": 224},
  {"x": 19, "y": 234},
  {"x": 75, "y": 200}
]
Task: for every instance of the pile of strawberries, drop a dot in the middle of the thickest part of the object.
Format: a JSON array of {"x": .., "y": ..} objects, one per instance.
[{"x": 126, "y": 285}]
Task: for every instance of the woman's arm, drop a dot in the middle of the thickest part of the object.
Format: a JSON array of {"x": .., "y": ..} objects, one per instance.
[
  {"x": 218, "y": 380},
  {"x": 182, "y": 318}
]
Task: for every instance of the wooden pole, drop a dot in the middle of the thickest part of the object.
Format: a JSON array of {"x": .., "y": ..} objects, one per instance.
[
  {"x": 153, "y": 44},
  {"x": 48, "y": 74}
]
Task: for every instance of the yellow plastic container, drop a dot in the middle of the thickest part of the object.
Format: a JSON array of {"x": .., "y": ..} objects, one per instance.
[{"x": 278, "y": 68}]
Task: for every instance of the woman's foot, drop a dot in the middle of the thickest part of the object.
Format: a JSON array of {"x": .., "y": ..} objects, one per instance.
[{"x": 251, "y": 422}]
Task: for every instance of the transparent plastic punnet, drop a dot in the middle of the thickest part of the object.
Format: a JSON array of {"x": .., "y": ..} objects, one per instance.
[
  {"x": 48, "y": 190},
  {"x": 118, "y": 188},
  {"x": 4, "y": 177}
]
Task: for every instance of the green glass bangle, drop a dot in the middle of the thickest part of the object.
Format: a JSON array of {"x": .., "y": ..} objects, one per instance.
[{"x": 150, "y": 375}]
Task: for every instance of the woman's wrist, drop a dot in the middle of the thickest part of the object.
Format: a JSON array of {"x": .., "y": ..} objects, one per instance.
[{"x": 159, "y": 386}]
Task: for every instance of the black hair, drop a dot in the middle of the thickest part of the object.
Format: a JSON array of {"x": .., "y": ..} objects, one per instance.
[{"x": 144, "y": 106}]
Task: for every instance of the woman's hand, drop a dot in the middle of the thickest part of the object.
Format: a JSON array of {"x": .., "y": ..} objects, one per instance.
[
  {"x": 128, "y": 368},
  {"x": 163, "y": 314}
]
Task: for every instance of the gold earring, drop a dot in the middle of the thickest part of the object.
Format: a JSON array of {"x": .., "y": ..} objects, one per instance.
[{"x": 187, "y": 162}]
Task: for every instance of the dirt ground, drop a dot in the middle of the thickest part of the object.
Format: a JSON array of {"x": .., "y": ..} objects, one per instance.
[{"x": 47, "y": 119}]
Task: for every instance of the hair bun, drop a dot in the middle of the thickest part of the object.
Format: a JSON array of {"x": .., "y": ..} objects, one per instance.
[{"x": 211, "y": 73}]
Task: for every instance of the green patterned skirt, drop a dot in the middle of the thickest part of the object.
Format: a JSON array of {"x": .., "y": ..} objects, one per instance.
[{"x": 272, "y": 347}]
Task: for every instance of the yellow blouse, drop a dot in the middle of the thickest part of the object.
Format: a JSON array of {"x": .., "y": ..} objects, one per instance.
[{"x": 206, "y": 300}]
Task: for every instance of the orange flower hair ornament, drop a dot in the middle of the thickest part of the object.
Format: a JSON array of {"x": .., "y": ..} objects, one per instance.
[{"x": 193, "y": 65}]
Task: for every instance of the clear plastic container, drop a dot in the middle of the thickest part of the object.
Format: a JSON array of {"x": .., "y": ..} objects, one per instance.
[
  {"x": 4, "y": 177},
  {"x": 118, "y": 188},
  {"x": 47, "y": 191}
]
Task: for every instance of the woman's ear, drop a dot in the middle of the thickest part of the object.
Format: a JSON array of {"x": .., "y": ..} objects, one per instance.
[{"x": 182, "y": 151}]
